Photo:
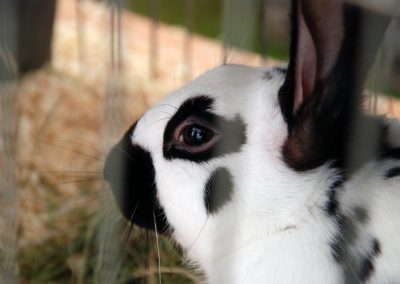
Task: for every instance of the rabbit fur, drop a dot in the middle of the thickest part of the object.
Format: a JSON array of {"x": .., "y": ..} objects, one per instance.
[{"x": 244, "y": 205}]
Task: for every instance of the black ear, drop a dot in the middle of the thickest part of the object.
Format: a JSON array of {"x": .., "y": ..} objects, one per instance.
[{"x": 333, "y": 45}]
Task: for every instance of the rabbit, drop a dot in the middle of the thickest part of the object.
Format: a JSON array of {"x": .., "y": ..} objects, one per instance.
[{"x": 259, "y": 173}]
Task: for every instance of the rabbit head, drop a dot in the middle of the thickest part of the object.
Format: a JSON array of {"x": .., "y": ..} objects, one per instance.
[
  {"x": 243, "y": 153},
  {"x": 203, "y": 154}
]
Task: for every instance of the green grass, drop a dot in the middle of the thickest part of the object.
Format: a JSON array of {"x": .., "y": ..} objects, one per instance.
[
  {"x": 206, "y": 14},
  {"x": 208, "y": 21}
]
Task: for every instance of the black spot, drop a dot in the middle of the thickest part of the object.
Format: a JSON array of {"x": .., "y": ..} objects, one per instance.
[
  {"x": 361, "y": 214},
  {"x": 281, "y": 70},
  {"x": 393, "y": 172},
  {"x": 332, "y": 209},
  {"x": 333, "y": 204},
  {"x": 218, "y": 191},
  {"x": 338, "y": 244},
  {"x": 367, "y": 264},
  {"x": 233, "y": 132},
  {"x": 376, "y": 247},
  {"x": 268, "y": 75},
  {"x": 129, "y": 170},
  {"x": 345, "y": 236},
  {"x": 273, "y": 72},
  {"x": 366, "y": 269},
  {"x": 338, "y": 247}
]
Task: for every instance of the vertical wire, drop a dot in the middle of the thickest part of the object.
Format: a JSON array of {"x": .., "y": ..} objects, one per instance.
[
  {"x": 365, "y": 133},
  {"x": 113, "y": 121},
  {"x": 8, "y": 138},
  {"x": 112, "y": 36},
  {"x": 80, "y": 32},
  {"x": 158, "y": 249},
  {"x": 8, "y": 184},
  {"x": 377, "y": 82},
  {"x": 226, "y": 22},
  {"x": 154, "y": 55},
  {"x": 392, "y": 62},
  {"x": 119, "y": 39},
  {"x": 238, "y": 23},
  {"x": 263, "y": 30},
  {"x": 187, "y": 43}
]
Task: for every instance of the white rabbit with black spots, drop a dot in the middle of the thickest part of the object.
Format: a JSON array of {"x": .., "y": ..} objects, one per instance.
[{"x": 253, "y": 171}]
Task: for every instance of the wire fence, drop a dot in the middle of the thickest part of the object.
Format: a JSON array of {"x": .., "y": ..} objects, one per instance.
[{"x": 238, "y": 22}]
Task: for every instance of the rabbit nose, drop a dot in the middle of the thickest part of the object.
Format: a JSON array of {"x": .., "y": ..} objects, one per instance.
[
  {"x": 107, "y": 169},
  {"x": 116, "y": 159},
  {"x": 130, "y": 172},
  {"x": 114, "y": 172},
  {"x": 113, "y": 161}
]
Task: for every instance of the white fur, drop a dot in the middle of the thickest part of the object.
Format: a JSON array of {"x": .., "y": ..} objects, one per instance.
[{"x": 274, "y": 230}]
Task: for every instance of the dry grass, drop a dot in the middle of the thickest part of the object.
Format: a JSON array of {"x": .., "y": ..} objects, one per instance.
[{"x": 60, "y": 190}]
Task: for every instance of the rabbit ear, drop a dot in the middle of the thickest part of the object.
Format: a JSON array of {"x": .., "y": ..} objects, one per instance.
[
  {"x": 317, "y": 44},
  {"x": 333, "y": 46}
]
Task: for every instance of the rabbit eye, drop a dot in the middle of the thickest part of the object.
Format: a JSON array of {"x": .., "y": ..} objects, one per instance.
[
  {"x": 193, "y": 136},
  {"x": 196, "y": 135}
]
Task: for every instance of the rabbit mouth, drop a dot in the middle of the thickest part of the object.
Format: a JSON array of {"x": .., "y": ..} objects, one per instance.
[{"x": 130, "y": 172}]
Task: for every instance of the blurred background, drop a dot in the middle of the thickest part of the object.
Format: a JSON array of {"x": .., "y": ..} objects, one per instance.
[{"x": 74, "y": 75}]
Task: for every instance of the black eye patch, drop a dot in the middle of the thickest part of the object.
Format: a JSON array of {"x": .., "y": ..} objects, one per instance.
[{"x": 233, "y": 132}]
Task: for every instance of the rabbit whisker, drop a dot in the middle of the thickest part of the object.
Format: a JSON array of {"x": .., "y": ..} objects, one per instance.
[
  {"x": 147, "y": 264},
  {"x": 74, "y": 172},
  {"x": 226, "y": 55},
  {"x": 89, "y": 200},
  {"x": 80, "y": 180},
  {"x": 97, "y": 198},
  {"x": 128, "y": 229},
  {"x": 161, "y": 111},
  {"x": 61, "y": 175},
  {"x": 86, "y": 144},
  {"x": 150, "y": 124},
  {"x": 125, "y": 153},
  {"x": 75, "y": 151},
  {"x": 161, "y": 105},
  {"x": 87, "y": 218},
  {"x": 198, "y": 235}
]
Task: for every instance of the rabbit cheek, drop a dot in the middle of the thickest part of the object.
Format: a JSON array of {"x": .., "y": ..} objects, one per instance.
[{"x": 130, "y": 171}]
